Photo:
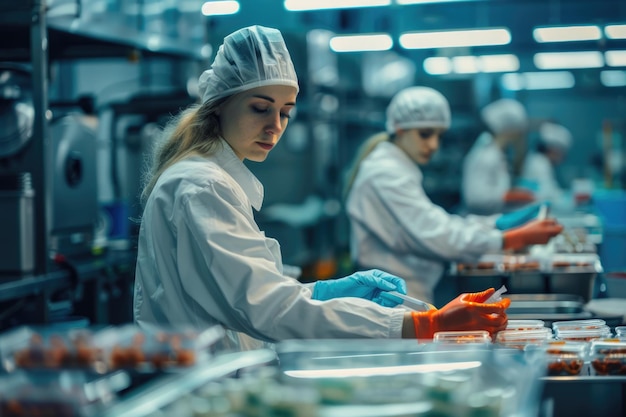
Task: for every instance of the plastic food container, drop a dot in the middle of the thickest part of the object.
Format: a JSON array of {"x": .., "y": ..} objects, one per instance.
[
  {"x": 608, "y": 357},
  {"x": 520, "y": 339},
  {"x": 578, "y": 324},
  {"x": 463, "y": 337},
  {"x": 49, "y": 348},
  {"x": 565, "y": 358},
  {"x": 583, "y": 335},
  {"x": 155, "y": 348},
  {"x": 620, "y": 332},
  {"x": 525, "y": 324},
  {"x": 58, "y": 394}
]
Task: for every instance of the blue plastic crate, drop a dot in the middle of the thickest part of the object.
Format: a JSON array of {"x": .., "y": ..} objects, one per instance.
[
  {"x": 610, "y": 206},
  {"x": 613, "y": 248}
]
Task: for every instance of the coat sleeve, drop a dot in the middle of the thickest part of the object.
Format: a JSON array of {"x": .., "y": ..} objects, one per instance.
[
  {"x": 228, "y": 268},
  {"x": 421, "y": 226}
]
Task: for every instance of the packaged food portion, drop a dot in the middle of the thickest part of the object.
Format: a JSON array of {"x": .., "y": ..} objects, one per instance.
[
  {"x": 565, "y": 358},
  {"x": 156, "y": 348},
  {"x": 487, "y": 264},
  {"x": 580, "y": 262},
  {"x": 520, "y": 339},
  {"x": 58, "y": 394},
  {"x": 49, "y": 348},
  {"x": 608, "y": 357},
  {"x": 583, "y": 335},
  {"x": 462, "y": 337},
  {"x": 579, "y": 324},
  {"x": 525, "y": 324},
  {"x": 620, "y": 332}
]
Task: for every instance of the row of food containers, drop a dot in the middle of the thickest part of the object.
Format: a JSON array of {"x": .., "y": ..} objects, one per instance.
[{"x": 80, "y": 372}]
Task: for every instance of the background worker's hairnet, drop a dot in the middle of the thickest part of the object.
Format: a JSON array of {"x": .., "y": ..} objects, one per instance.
[
  {"x": 251, "y": 57},
  {"x": 555, "y": 136},
  {"x": 505, "y": 115},
  {"x": 417, "y": 107}
]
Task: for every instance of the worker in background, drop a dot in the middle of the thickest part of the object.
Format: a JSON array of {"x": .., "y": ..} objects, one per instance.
[
  {"x": 202, "y": 259},
  {"x": 487, "y": 183},
  {"x": 393, "y": 223},
  {"x": 554, "y": 141}
]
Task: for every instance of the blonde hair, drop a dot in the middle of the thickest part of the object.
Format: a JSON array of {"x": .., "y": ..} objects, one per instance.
[
  {"x": 364, "y": 150},
  {"x": 194, "y": 131}
]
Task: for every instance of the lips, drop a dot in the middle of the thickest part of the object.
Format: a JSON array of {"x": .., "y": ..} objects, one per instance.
[{"x": 266, "y": 146}]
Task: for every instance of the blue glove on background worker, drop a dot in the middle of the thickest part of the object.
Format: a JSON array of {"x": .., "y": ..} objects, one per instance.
[
  {"x": 519, "y": 217},
  {"x": 363, "y": 284}
]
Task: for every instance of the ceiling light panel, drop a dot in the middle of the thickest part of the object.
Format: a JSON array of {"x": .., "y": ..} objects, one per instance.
[
  {"x": 613, "y": 78},
  {"x": 303, "y": 5},
  {"x": 220, "y": 8},
  {"x": 615, "y": 31},
  {"x": 361, "y": 43},
  {"x": 562, "y": 60},
  {"x": 567, "y": 33},
  {"x": 615, "y": 58},
  {"x": 538, "y": 80},
  {"x": 455, "y": 38}
]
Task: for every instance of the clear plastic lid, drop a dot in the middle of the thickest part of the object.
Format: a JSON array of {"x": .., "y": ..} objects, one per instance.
[
  {"x": 461, "y": 337},
  {"x": 525, "y": 324},
  {"x": 579, "y": 324},
  {"x": 565, "y": 358},
  {"x": 620, "y": 332},
  {"x": 608, "y": 356},
  {"x": 583, "y": 334},
  {"x": 523, "y": 338}
]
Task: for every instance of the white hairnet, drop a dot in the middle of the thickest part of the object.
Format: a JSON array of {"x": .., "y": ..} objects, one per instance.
[
  {"x": 555, "y": 135},
  {"x": 505, "y": 115},
  {"x": 251, "y": 57},
  {"x": 417, "y": 107}
]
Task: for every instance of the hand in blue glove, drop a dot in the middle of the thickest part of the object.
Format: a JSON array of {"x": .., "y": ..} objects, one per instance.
[
  {"x": 363, "y": 284},
  {"x": 519, "y": 217}
]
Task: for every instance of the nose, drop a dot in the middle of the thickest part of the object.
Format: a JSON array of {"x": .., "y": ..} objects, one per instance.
[
  {"x": 274, "y": 123},
  {"x": 434, "y": 143}
]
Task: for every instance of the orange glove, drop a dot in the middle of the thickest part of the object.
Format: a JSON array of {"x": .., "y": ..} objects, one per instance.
[
  {"x": 535, "y": 232},
  {"x": 466, "y": 312},
  {"x": 518, "y": 195}
]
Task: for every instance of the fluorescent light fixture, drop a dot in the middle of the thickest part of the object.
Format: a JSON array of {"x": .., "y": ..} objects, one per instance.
[
  {"x": 455, "y": 38},
  {"x": 360, "y": 43},
  {"x": 613, "y": 78},
  {"x": 615, "y": 31},
  {"x": 538, "y": 80},
  {"x": 405, "y": 2},
  {"x": 302, "y": 5},
  {"x": 386, "y": 370},
  {"x": 560, "y": 60},
  {"x": 439, "y": 65},
  {"x": 567, "y": 33},
  {"x": 220, "y": 8},
  {"x": 499, "y": 63},
  {"x": 615, "y": 58},
  {"x": 471, "y": 64},
  {"x": 465, "y": 64}
]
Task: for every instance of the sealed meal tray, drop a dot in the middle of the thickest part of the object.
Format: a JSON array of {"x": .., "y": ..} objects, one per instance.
[
  {"x": 565, "y": 358},
  {"x": 41, "y": 347},
  {"x": 520, "y": 339},
  {"x": 620, "y": 332},
  {"x": 462, "y": 337},
  {"x": 150, "y": 348},
  {"x": 583, "y": 335},
  {"x": 488, "y": 264},
  {"x": 525, "y": 324},
  {"x": 608, "y": 357},
  {"x": 573, "y": 263},
  {"x": 579, "y": 324},
  {"x": 58, "y": 394}
]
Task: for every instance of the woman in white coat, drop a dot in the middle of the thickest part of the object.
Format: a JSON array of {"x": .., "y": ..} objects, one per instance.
[
  {"x": 202, "y": 259},
  {"x": 487, "y": 183},
  {"x": 393, "y": 223},
  {"x": 539, "y": 166}
]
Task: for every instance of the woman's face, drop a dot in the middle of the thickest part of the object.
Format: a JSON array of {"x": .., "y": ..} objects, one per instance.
[
  {"x": 253, "y": 121},
  {"x": 419, "y": 144}
]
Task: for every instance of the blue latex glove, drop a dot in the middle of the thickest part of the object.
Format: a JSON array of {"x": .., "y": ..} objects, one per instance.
[
  {"x": 363, "y": 284},
  {"x": 519, "y": 217}
]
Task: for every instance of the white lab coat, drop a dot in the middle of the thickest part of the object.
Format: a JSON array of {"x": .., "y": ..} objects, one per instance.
[
  {"x": 202, "y": 261},
  {"x": 486, "y": 177},
  {"x": 539, "y": 170},
  {"x": 395, "y": 227}
]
